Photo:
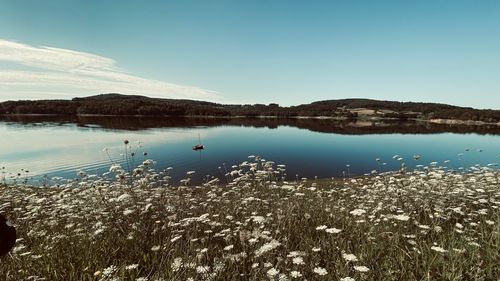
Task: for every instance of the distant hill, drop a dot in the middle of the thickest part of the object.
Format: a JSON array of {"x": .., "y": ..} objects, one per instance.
[
  {"x": 117, "y": 104},
  {"x": 133, "y": 98}
]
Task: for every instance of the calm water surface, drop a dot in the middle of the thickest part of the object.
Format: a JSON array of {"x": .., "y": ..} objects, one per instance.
[{"x": 62, "y": 148}]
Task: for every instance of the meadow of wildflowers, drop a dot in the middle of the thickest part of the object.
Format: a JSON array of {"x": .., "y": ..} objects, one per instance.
[{"x": 427, "y": 224}]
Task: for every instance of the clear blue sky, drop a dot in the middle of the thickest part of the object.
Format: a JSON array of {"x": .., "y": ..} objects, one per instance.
[{"x": 289, "y": 52}]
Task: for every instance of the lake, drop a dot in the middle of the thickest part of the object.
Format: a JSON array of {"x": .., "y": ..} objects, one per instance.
[{"x": 60, "y": 146}]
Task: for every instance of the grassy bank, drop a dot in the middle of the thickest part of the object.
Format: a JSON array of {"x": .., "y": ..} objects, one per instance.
[{"x": 425, "y": 225}]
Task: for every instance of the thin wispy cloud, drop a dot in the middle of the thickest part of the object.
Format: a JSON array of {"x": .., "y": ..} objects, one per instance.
[{"x": 45, "y": 72}]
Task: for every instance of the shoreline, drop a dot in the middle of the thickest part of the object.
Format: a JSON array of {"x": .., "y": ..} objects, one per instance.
[{"x": 374, "y": 119}]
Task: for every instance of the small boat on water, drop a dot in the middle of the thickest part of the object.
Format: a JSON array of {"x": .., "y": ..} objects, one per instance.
[{"x": 199, "y": 146}]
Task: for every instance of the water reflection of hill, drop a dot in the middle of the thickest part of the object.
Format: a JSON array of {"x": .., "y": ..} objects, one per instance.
[{"x": 348, "y": 127}]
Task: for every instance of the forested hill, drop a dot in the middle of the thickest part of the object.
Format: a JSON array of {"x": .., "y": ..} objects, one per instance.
[{"x": 116, "y": 104}]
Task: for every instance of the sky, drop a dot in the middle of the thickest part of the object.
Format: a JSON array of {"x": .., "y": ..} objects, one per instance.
[{"x": 260, "y": 51}]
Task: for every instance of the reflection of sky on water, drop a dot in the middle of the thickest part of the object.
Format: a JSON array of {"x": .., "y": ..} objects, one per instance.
[{"x": 61, "y": 150}]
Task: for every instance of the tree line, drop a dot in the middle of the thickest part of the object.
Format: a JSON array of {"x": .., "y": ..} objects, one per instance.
[{"x": 116, "y": 104}]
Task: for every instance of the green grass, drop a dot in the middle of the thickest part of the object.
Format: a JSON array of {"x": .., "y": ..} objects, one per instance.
[{"x": 394, "y": 224}]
